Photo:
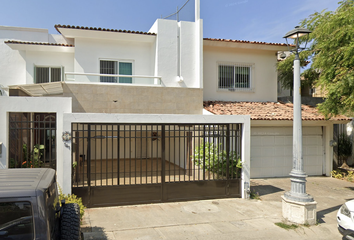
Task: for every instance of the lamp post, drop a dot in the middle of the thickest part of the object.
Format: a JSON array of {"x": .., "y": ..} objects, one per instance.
[{"x": 297, "y": 195}]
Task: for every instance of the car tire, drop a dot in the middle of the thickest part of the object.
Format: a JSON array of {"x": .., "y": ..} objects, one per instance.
[{"x": 70, "y": 222}]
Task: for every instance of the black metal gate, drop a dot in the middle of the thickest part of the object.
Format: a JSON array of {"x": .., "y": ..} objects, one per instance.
[
  {"x": 32, "y": 140},
  {"x": 120, "y": 164}
]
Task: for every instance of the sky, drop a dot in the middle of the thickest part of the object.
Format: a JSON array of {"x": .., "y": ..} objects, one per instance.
[{"x": 252, "y": 20}]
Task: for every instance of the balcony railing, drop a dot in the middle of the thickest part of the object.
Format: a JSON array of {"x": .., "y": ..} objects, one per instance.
[{"x": 97, "y": 78}]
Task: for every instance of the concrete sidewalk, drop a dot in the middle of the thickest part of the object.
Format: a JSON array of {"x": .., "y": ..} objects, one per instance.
[{"x": 222, "y": 218}]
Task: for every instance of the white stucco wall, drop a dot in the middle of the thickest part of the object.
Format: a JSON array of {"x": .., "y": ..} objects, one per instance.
[
  {"x": 178, "y": 52},
  {"x": 31, "y": 104},
  {"x": 47, "y": 59},
  {"x": 174, "y": 54},
  {"x": 16, "y": 66},
  {"x": 264, "y": 73},
  {"x": 89, "y": 52}
]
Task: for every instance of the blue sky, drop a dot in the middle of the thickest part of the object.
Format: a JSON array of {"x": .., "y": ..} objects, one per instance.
[{"x": 253, "y": 20}]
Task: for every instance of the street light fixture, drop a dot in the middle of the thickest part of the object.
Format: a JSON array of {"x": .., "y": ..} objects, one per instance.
[{"x": 297, "y": 195}]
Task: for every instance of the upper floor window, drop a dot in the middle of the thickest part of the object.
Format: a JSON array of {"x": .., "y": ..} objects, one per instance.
[
  {"x": 47, "y": 74},
  {"x": 235, "y": 76},
  {"x": 116, "y": 67}
]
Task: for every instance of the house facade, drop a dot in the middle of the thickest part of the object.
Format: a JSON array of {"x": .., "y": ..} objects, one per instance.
[
  {"x": 240, "y": 78},
  {"x": 120, "y": 112}
]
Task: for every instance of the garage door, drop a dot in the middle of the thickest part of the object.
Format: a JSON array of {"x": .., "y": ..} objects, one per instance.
[{"x": 272, "y": 148}]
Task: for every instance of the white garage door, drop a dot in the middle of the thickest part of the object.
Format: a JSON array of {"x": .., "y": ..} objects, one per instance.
[{"x": 272, "y": 149}]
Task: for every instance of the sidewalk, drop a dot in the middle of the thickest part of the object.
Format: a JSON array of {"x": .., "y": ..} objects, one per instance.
[{"x": 222, "y": 218}]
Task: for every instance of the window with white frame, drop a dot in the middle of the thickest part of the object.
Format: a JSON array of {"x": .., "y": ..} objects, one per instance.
[
  {"x": 116, "y": 67},
  {"x": 235, "y": 76},
  {"x": 47, "y": 74}
]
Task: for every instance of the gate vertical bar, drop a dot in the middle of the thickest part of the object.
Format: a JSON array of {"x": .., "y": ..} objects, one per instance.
[
  {"x": 163, "y": 163},
  {"x": 227, "y": 171},
  {"x": 118, "y": 154},
  {"x": 19, "y": 144},
  {"x": 227, "y": 151},
  {"x": 89, "y": 163},
  {"x": 204, "y": 152}
]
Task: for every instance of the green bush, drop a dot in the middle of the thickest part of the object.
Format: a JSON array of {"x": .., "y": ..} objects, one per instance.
[
  {"x": 216, "y": 160},
  {"x": 72, "y": 198}
]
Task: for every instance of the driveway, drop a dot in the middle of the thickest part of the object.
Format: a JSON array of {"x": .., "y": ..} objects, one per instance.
[{"x": 222, "y": 218}]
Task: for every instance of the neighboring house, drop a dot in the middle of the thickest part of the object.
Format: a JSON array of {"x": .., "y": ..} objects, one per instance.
[
  {"x": 119, "y": 114},
  {"x": 240, "y": 78}
]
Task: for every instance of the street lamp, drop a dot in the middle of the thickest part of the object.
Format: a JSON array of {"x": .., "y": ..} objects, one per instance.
[{"x": 298, "y": 206}]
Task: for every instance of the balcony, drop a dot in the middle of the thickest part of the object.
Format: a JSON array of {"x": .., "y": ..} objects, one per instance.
[
  {"x": 96, "y": 78},
  {"x": 110, "y": 93}
]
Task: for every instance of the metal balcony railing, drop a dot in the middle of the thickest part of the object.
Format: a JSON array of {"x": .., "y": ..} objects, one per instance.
[{"x": 97, "y": 78}]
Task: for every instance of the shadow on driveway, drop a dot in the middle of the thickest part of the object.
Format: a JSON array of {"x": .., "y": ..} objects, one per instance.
[
  {"x": 321, "y": 214},
  {"x": 94, "y": 233},
  {"x": 265, "y": 189}
]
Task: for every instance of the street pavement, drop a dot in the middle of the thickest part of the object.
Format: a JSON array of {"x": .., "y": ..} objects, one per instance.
[{"x": 222, "y": 218}]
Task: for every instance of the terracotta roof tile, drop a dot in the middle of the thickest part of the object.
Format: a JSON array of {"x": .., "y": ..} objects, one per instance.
[
  {"x": 266, "y": 110},
  {"x": 40, "y": 43},
  {"x": 57, "y": 26},
  {"x": 244, "y": 41}
]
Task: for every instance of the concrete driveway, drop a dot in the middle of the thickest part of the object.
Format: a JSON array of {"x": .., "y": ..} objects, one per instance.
[{"x": 222, "y": 218}]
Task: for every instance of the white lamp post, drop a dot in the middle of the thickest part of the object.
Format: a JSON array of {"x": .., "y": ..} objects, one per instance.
[{"x": 298, "y": 206}]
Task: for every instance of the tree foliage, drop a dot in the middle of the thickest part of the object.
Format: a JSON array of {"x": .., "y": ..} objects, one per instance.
[
  {"x": 286, "y": 74},
  {"x": 331, "y": 51}
]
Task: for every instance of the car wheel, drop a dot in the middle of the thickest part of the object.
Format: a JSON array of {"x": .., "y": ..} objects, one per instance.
[{"x": 70, "y": 222}]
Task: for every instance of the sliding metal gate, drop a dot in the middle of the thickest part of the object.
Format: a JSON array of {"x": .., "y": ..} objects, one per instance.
[{"x": 119, "y": 164}]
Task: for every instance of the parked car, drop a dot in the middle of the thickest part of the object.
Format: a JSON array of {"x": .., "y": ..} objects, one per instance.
[
  {"x": 30, "y": 208},
  {"x": 345, "y": 219}
]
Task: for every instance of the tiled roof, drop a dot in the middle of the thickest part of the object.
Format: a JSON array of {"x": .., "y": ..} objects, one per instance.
[
  {"x": 100, "y": 29},
  {"x": 40, "y": 43},
  {"x": 244, "y": 41},
  {"x": 266, "y": 110}
]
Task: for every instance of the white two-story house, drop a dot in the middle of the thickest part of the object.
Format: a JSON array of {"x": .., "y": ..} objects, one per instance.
[
  {"x": 129, "y": 117},
  {"x": 240, "y": 78}
]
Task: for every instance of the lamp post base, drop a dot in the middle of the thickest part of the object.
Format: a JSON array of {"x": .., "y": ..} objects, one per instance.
[
  {"x": 298, "y": 197},
  {"x": 299, "y": 212}
]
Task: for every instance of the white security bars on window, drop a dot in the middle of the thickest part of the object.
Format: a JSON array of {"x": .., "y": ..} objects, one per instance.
[
  {"x": 115, "y": 67},
  {"x": 47, "y": 74},
  {"x": 234, "y": 76}
]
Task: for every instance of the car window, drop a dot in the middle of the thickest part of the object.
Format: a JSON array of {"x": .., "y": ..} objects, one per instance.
[{"x": 16, "y": 220}]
